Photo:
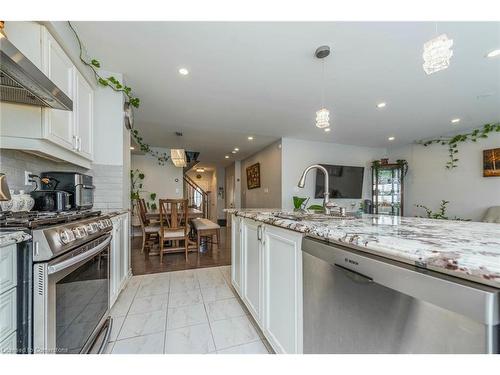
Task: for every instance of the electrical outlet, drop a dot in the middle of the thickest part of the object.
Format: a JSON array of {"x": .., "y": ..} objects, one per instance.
[{"x": 27, "y": 177}]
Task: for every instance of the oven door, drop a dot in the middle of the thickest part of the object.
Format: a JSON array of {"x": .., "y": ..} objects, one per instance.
[{"x": 71, "y": 300}]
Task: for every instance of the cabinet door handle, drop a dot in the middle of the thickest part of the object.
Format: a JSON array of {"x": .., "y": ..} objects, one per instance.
[{"x": 259, "y": 233}]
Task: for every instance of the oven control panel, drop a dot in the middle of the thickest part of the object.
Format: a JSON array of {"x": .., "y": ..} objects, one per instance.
[{"x": 65, "y": 237}]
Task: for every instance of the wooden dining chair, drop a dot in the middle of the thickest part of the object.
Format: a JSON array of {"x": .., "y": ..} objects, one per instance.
[
  {"x": 149, "y": 229},
  {"x": 174, "y": 225}
]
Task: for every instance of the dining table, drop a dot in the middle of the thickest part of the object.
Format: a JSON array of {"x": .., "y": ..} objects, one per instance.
[{"x": 192, "y": 214}]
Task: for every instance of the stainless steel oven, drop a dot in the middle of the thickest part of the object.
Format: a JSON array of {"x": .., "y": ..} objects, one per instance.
[{"x": 71, "y": 299}]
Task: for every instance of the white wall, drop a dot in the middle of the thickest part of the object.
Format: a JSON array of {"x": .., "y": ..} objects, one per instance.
[
  {"x": 299, "y": 154},
  {"x": 220, "y": 177},
  {"x": 108, "y": 124},
  {"x": 164, "y": 180},
  {"x": 269, "y": 193},
  {"x": 237, "y": 184},
  {"x": 428, "y": 181}
]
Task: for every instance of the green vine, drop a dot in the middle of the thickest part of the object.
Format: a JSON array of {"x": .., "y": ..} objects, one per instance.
[
  {"x": 403, "y": 164},
  {"x": 440, "y": 214},
  {"x": 161, "y": 156},
  {"x": 117, "y": 86},
  {"x": 136, "y": 184},
  {"x": 453, "y": 142},
  {"x": 111, "y": 81}
]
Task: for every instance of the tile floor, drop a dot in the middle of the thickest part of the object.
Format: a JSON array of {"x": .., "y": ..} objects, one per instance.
[{"x": 183, "y": 312}]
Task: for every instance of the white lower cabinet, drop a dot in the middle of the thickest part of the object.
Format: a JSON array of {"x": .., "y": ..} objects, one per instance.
[
  {"x": 252, "y": 265},
  {"x": 282, "y": 287},
  {"x": 236, "y": 256},
  {"x": 266, "y": 272},
  {"x": 8, "y": 294},
  {"x": 120, "y": 256}
]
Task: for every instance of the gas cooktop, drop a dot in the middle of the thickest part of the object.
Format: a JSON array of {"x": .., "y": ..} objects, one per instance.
[{"x": 36, "y": 219}]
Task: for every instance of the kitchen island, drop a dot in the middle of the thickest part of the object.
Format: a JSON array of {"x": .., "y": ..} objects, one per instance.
[{"x": 267, "y": 258}]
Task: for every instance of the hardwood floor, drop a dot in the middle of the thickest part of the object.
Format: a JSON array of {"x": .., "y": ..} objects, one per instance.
[{"x": 143, "y": 264}]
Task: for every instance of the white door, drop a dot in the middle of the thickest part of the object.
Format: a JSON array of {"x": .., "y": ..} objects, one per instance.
[
  {"x": 282, "y": 278},
  {"x": 83, "y": 114},
  {"x": 58, "y": 125},
  {"x": 236, "y": 258},
  {"x": 251, "y": 232}
]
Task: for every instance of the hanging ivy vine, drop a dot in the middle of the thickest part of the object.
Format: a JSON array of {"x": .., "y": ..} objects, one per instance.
[
  {"x": 117, "y": 86},
  {"x": 453, "y": 142},
  {"x": 161, "y": 156}
]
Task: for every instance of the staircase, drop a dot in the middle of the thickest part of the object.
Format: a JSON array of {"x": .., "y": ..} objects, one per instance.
[{"x": 196, "y": 196}]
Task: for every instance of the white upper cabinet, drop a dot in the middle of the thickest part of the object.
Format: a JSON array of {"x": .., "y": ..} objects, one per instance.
[
  {"x": 61, "y": 135},
  {"x": 26, "y": 36},
  {"x": 84, "y": 116},
  {"x": 58, "y": 125}
]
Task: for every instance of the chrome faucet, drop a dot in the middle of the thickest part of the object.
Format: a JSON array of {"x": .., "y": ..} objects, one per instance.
[{"x": 327, "y": 205}]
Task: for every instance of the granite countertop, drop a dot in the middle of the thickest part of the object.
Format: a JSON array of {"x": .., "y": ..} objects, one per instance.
[
  {"x": 468, "y": 250},
  {"x": 7, "y": 238}
]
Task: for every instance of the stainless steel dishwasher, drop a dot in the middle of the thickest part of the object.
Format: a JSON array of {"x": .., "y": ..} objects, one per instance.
[{"x": 355, "y": 302}]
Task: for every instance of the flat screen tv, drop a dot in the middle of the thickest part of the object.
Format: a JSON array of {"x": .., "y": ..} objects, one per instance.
[{"x": 345, "y": 181}]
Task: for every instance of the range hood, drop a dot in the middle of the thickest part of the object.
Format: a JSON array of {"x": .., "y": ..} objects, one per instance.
[{"x": 22, "y": 82}]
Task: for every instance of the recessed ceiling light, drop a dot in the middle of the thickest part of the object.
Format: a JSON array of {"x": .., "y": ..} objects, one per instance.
[
  {"x": 455, "y": 120},
  {"x": 327, "y": 130},
  {"x": 236, "y": 149},
  {"x": 494, "y": 53},
  {"x": 391, "y": 138},
  {"x": 227, "y": 156},
  {"x": 233, "y": 152},
  {"x": 381, "y": 105},
  {"x": 183, "y": 71},
  {"x": 132, "y": 147},
  {"x": 250, "y": 138}
]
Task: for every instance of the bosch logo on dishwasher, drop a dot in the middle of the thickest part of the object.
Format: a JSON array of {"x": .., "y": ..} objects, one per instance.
[{"x": 350, "y": 261}]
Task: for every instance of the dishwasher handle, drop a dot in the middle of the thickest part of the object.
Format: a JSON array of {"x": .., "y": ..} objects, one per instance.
[{"x": 357, "y": 277}]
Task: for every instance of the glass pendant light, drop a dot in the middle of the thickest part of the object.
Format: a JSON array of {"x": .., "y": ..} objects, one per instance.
[
  {"x": 323, "y": 115},
  {"x": 323, "y": 118},
  {"x": 437, "y": 53}
]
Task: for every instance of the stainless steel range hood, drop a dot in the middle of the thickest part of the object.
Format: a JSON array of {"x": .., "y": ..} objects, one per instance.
[{"x": 22, "y": 82}]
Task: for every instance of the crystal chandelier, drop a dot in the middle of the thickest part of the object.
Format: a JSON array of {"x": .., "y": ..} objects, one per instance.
[
  {"x": 323, "y": 118},
  {"x": 323, "y": 115},
  {"x": 178, "y": 156},
  {"x": 437, "y": 54}
]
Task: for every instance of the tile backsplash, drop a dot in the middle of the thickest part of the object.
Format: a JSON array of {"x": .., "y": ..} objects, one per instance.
[
  {"x": 108, "y": 179},
  {"x": 13, "y": 163}
]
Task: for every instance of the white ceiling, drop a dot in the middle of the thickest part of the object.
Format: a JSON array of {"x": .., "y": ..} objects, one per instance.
[{"x": 261, "y": 79}]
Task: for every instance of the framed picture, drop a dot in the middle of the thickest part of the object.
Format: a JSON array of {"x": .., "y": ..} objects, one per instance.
[
  {"x": 491, "y": 163},
  {"x": 253, "y": 176}
]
